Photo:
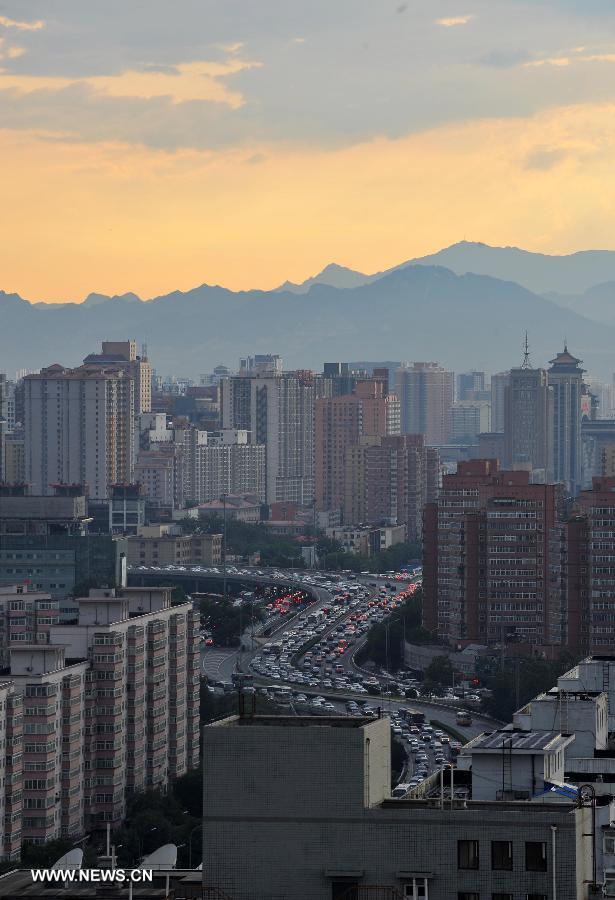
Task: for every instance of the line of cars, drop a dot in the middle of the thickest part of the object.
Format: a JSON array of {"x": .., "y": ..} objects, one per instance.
[{"x": 310, "y": 651}]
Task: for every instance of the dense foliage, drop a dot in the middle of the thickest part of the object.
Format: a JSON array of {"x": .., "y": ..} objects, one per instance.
[{"x": 404, "y": 623}]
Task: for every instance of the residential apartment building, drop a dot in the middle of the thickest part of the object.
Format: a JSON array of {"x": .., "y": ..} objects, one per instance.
[
  {"x": 487, "y": 557},
  {"x": 388, "y": 480},
  {"x": 589, "y": 569},
  {"x": 79, "y": 428},
  {"x": 142, "y": 697},
  {"x": 278, "y": 410},
  {"x": 221, "y": 462},
  {"x": 425, "y": 391},
  {"x": 176, "y": 550},
  {"x": 340, "y": 423},
  {"x": 344, "y": 836},
  {"x": 122, "y": 355}
]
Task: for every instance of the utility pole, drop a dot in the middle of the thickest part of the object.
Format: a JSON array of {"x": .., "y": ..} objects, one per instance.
[{"x": 224, "y": 545}]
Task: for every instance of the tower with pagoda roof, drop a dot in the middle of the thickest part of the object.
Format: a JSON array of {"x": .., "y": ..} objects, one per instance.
[{"x": 566, "y": 380}]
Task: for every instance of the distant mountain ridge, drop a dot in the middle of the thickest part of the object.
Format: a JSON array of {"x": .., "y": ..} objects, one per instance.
[
  {"x": 411, "y": 312},
  {"x": 541, "y": 273}
]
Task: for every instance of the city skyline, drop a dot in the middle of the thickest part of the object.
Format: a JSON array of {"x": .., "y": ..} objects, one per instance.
[{"x": 220, "y": 145}]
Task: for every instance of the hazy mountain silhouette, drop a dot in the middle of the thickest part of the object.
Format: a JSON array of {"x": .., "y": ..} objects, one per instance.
[
  {"x": 332, "y": 275},
  {"x": 538, "y": 272},
  {"x": 416, "y": 312}
]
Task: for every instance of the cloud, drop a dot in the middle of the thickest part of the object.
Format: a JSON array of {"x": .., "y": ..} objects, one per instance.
[
  {"x": 233, "y": 47},
  {"x": 9, "y": 51},
  {"x": 21, "y": 26},
  {"x": 565, "y": 61},
  {"x": 183, "y": 83},
  {"x": 543, "y": 159},
  {"x": 373, "y": 204},
  {"x": 452, "y": 21},
  {"x": 505, "y": 59}
]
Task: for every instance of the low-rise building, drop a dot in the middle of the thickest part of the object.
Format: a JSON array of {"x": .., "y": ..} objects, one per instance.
[
  {"x": 176, "y": 550},
  {"x": 332, "y": 832}
]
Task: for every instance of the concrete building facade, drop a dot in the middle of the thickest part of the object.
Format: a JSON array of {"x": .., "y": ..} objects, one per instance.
[
  {"x": 487, "y": 557},
  {"x": 79, "y": 428},
  {"x": 425, "y": 391},
  {"x": 344, "y": 837}
]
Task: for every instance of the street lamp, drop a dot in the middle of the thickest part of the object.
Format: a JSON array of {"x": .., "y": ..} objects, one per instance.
[
  {"x": 195, "y": 829},
  {"x": 140, "y": 842}
]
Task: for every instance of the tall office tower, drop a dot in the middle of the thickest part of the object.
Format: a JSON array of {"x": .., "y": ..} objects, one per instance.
[
  {"x": 339, "y": 424},
  {"x": 566, "y": 380},
  {"x": 528, "y": 422},
  {"x": 487, "y": 557},
  {"x": 471, "y": 386},
  {"x": 425, "y": 392},
  {"x": 388, "y": 480},
  {"x": 499, "y": 383},
  {"x": 79, "y": 428}
]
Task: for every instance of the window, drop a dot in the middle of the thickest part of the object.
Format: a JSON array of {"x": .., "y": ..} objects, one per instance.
[
  {"x": 501, "y": 855},
  {"x": 501, "y": 897},
  {"x": 416, "y": 889},
  {"x": 467, "y": 855},
  {"x": 609, "y": 844},
  {"x": 535, "y": 856},
  {"x": 536, "y": 897},
  {"x": 468, "y": 895}
]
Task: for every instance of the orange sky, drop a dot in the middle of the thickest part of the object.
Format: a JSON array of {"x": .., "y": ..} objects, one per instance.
[
  {"x": 112, "y": 217},
  {"x": 208, "y": 145}
]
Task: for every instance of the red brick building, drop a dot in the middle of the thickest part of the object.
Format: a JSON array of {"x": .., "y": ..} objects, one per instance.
[{"x": 488, "y": 558}]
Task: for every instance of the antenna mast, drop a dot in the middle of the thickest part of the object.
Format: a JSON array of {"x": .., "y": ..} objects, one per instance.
[{"x": 526, "y": 355}]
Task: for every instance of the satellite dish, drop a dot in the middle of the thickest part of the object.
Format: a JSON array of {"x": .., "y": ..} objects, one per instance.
[
  {"x": 70, "y": 860},
  {"x": 164, "y": 857}
]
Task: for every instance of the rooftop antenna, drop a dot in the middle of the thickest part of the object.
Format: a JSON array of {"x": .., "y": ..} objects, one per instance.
[{"x": 526, "y": 355}]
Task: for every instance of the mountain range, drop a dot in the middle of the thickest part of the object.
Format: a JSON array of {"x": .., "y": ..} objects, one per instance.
[{"x": 466, "y": 306}]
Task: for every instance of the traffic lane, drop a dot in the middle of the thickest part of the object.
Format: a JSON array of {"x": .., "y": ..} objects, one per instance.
[{"x": 218, "y": 664}]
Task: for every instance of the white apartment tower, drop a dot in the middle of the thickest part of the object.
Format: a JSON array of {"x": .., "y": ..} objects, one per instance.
[{"x": 79, "y": 428}]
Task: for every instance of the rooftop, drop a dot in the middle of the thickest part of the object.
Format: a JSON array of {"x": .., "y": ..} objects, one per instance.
[
  {"x": 520, "y": 741},
  {"x": 293, "y": 721}
]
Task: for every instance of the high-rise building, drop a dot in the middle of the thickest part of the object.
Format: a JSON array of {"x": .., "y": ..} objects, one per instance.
[
  {"x": 388, "y": 480},
  {"x": 528, "y": 422},
  {"x": 487, "y": 557},
  {"x": 499, "y": 383},
  {"x": 220, "y": 462},
  {"x": 4, "y": 424},
  {"x": 93, "y": 709},
  {"x": 340, "y": 422},
  {"x": 589, "y": 570},
  {"x": 79, "y": 428},
  {"x": 425, "y": 391},
  {"x": 471, "y": 386},
  {"x": 566, "y": 381},
  {"x": 469, "y": 418},
  {"x": 278, "y": 410}
]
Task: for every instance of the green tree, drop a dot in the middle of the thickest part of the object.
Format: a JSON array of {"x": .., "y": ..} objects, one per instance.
[{"x": 440, "y": 671}]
